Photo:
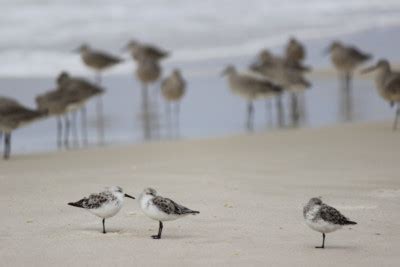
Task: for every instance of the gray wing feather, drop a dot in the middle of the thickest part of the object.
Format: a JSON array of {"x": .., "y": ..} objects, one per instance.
[
  {"x": 332, "y": 215},
  {"x": 170, "y": 207}
]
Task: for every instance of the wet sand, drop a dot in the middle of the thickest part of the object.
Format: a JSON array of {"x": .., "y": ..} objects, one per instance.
[{"x": 249, "y": 189}]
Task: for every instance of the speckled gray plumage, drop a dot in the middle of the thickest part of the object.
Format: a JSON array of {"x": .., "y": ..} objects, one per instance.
[
  {"x": 170, "y": 207},
  {"x": 94, "y": 201}
]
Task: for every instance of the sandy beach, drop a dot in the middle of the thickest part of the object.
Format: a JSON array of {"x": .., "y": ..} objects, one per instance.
[{"x": 249, "y": 189}]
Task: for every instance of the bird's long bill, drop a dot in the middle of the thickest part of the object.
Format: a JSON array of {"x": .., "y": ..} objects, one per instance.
[
  {"x": 368, "y": 69},
  {"x": 126, "y": 195}
]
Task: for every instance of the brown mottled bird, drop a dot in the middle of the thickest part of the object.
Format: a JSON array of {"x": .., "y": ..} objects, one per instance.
[
  {"x": 295, "y": 51},
  {"x": 387, "y": 83},
  {"x": 140, "y": 50},
  {"x": 97, "y": 60},
  {"x": 13, "y": 115},
  {"x": 173, "y": 89},
  {"x": 71, "y": 95},
  {"x": 251, "y": 88}
]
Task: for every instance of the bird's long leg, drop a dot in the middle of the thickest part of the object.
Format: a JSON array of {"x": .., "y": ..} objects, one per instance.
[
  {"x": 104, "y": 227},
  {"x": 323, "y": 241},
  {"x": 168, "y": 116},
  {"x": 100, "y": 120},
  {"x": 279, "y": 112},
  {"x": 66, "y": 131},
  {"x": 268, "y": 111},
  {"x": 84, "y": 126},
  {"x": 348, "y": 95},
  {"x": 294, "y": 106},
  {"x": 7, "y": 145},
  {"x": 158, "y": 236},
  {"x": 177, "y": 110},
  {"x": 396, "y": 118},
  {"x": 59, "y": 132},
  {"x": 74, "y": 129},
  {"x": 250, "y": 110}
]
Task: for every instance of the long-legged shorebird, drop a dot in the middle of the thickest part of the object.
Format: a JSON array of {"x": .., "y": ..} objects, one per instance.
[
  {"x": 346, "y": 59},
  {"x": 161, "y": 209},
  {"x": 288, "y": 76},
  {"x": 388, "y": 85},
  {"x": 105, "y": 204},
  {"x": 140, "y": 50},
  {"x": 70, "y": 96},
  {"x": 323, "y": 218},
  {"x": 250, "y": 88},
  {"x": 173, "y": 89},
  {"x": 99, "y": 61},
  {"x": 13, "y": 116},
  {"x": 295, "y": 51}
]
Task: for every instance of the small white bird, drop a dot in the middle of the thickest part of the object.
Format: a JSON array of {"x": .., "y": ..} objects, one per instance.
[
  {"x": 104, "y": 204},
  {"x": 161, "y": 209},
  {"x": 323, "y": 218}
]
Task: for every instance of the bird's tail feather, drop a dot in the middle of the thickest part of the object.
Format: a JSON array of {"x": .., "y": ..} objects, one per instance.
[
  {"x": 78, "y": 204},
  {"x": 350, "y": 222}
]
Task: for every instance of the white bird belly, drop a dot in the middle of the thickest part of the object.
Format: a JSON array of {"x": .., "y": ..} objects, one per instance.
[
  {"x": 155, "y": 213},
  {"x": 323, "y": 226},
  {"x": 106, "y": 211}
]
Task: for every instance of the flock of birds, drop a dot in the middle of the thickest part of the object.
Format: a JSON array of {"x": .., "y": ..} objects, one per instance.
[
  {"x": 317, "y": 215},
  {"x": 268, "y": 78}
]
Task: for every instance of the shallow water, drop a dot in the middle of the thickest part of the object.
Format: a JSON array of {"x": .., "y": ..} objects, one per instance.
[{"x": 208, "y": 109}]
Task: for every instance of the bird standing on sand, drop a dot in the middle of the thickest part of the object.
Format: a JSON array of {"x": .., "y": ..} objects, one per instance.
[
  {"x": 161, "y": 209},
  {"x": 105, "y": 204},
  {"x": 13, "y": 116},
  {"x": 251, "y": 88},
  {"x": 346, "y": 59},
  {"x": 173, "y": 89},
  {"x": 388, "y": 85},
  {"x": 323, "y": 218},
  {"x": 99, "y": 61},
  {"x": 148, "y": 51}
]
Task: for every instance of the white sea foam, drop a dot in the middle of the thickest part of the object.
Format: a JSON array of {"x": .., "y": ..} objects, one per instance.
[{"x": 38, "y": 35}]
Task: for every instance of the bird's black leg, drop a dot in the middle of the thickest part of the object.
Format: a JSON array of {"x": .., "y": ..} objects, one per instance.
[
  {"x": 66, "y": 130},
  {"x": 323, "y": 241},
  {"x": 396, "y": 118},
  {"x": 250, "y": 110},
  {"x": 84, "y": 126},
  {"x": 104, "y": 227},
  {"x": 279, "y": 110},
  {"x": 59, "y": 132},
  {"x": 7, "y": 145},
  {"x": 159, "y": 232}
]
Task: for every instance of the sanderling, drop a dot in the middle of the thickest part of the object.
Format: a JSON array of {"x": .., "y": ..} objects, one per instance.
[
  {"x": 323, "y": 218},
  {"x": 104, "y": 204},
  {"x": 161, "y": 209}
]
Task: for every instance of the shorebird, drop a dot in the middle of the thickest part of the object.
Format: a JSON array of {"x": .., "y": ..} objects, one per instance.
[
  {"x": 161, "y": 209},
  {"x": 289, "y": 76},
  {"x": 13, "y": 116},
  {"x": 173, "y": 89},
  {"x": 346, "y": 59},
  {"x": 148, "y": 51},
  {"x": 99, "y": 61},
  {"x": 388, "y": 85},
  {"x": 295, "y": 51},
  {"x": 323, "y": 218},
  {"x": 105, "y": 204},
  {"x": 251, "y": 88}
]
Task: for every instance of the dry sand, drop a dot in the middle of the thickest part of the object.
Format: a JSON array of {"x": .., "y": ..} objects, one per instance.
[{"x": 249, "y": 189}]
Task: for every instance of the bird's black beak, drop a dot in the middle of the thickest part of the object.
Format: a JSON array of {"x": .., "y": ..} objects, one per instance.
[{"x": 126, "y": 195}]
